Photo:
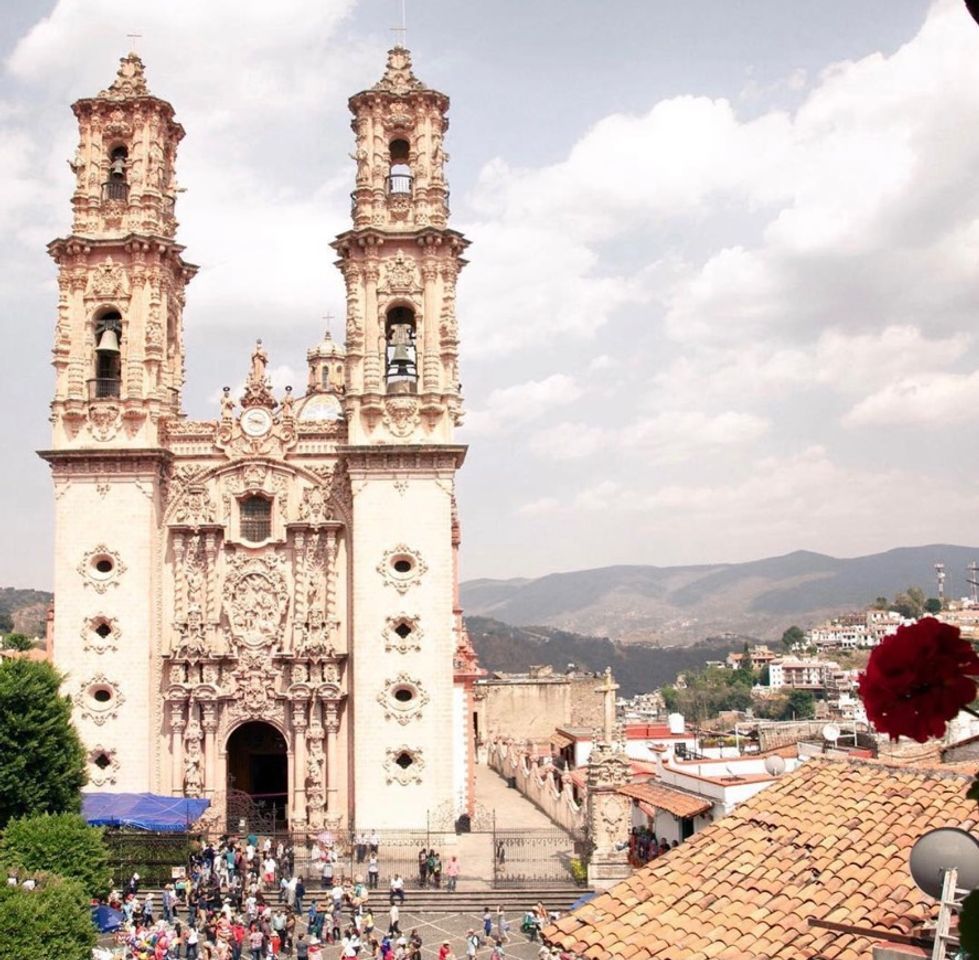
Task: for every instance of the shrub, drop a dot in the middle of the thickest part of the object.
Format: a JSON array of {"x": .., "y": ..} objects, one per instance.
[
  {"x": 53, "y": 921},
  {"x": 60, "y": 843}
]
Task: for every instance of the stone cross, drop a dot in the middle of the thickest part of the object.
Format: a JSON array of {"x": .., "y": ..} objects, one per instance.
[
  {"x": 607, "y": 690},
  {"x": 134, "y": 37},
  {"x": 402, "y": 31}
]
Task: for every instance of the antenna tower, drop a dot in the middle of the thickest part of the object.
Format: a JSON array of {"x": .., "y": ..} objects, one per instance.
[
  {"x": 940, "y": 576},
  {"x": 973, "y": 580}
]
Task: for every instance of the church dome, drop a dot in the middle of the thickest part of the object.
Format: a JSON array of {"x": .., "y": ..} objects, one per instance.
[{"x": 326, "y": 349}]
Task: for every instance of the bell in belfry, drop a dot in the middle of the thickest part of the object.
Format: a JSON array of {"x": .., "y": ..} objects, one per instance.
[
  {"x": 108, "y": 342},
  {"x": 401, "y": 360}
]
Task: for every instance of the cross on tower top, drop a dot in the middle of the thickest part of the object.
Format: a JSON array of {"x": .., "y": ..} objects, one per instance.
[
  {"x": 134, "y": 37},
  {"x": 402, "y": 31},
  {"x": 329, "y": 318}
]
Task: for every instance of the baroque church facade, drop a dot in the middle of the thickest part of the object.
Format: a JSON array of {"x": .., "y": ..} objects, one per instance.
[{"x": 263, "y": 608}]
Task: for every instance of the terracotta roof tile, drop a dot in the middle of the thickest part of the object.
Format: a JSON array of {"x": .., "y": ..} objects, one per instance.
[{"x": 829, "y": 841}]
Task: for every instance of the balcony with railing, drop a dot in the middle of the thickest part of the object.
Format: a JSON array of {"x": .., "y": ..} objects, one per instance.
[
  {"x": 115, "y": 190},
  {"x": 399, "y": 184},
  {"x": 104, "y": 388}
]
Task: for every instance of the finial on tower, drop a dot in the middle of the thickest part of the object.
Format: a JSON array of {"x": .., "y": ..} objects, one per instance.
[
  {"x": 398, "y": 77},
  {"x": 130, "y": 79},
  {"x": 402, "y": 30}
]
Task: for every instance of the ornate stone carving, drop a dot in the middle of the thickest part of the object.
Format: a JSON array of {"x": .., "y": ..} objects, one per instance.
[
  {"x": 100, "y": 633},
  {"x": 103, "y": 765},
  {"x": 98, "y": 699},
  {"x": 130, "y": 81},
  {"x": 195, "y": 507},
  {"x": 193, "y": 761},
  {"x": 191, "y": 644},
  {"x": 401, "y": 415},
  {"x": 104, "y": 420},
  {"x": 402, "y": 633},
  {"x": 403, "y": 698},
  {"x": 400, "y": 275},
  {"x": 398, "y": 76},
  {"x": 404, "y": 765},
  {"x": 256, "y": 598},
  {"x": 315, "y": 505},
  {"x": 101, "y": 568},
  {"x": 108, "y": 280},
  {"x": 402, "y": 568}
]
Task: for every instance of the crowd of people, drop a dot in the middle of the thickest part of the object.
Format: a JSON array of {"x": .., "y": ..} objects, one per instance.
[
  {"x": 246, "y": 899},
  {"x": 644, "y": 846}
]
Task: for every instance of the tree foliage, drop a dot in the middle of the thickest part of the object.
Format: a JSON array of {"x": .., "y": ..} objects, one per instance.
[
  {"x": 53, "y": 921},
  {"x": 910, "y": 604},
  {"x": 17, "y": 641},
  {"x": 42, "y": 763},
  {"x": 933, "y": 605},
  {"x": 57, "y": 843},
  {"x": 793, "y": 637},
  {"x": 6, "y": 620},
  {"x": 708, "y": 692}
]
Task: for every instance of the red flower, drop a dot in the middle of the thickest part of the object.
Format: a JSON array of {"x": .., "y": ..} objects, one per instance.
[{"x": 918, "y": 679}]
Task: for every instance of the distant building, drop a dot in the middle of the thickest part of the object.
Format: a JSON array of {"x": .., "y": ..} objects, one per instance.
[
  {"x": 760, "y": 655},
  {"x": 530, "y": 706},
  {"x": 801, "y": 674},
  {"x": 854, "y": 631}
]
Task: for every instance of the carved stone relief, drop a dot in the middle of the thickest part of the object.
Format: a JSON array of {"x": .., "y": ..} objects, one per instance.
[
  {"x": 103, "y": 765},
  {"x": 101, "y": 568},
  {"x": 100, "y": 633},
  {"x": 255, "y": 599},
  {"x": 402, "y": 568},
  {"x": 104, "y": 420},
  {"x": 401, "y": 416},
  {"x": 403, "y": 765},
  {"x": 403, "y": 698},
  {"x": 402, "y": 634},
  {"x": 99, "y": 699}
]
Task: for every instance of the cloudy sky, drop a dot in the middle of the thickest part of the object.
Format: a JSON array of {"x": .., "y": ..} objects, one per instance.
[{"x": 724, "y": 278}]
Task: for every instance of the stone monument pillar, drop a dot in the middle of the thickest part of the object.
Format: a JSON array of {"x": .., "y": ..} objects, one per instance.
[{"x": 608, "y": 812}]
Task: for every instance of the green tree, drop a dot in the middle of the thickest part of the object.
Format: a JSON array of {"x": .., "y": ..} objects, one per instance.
[
  {"x": 800, "y": 705},
  {"x": 61, "y": 843},
  {"x": 881, "y": 603},
  {"x": 6, "y": 621},
  {"x": 910, "y": 604},
  {"x": 793, "y": 637},
  {"x": 17, "y": 641},
  {"x": 53, "y": 920},
  {"x": 933, "y": 605},
  {"x": 671, "y": 699},
  {"x": 764, "y": 677},
  {"x": 42, "y": 763}
]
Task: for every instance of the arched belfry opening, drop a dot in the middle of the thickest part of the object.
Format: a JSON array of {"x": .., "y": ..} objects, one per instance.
[
  {"x": 258, "y": 771},
  {"x": 117, "y": 186},
  {"x": 108, "y": 355},
  {"x": 401, "y": 361},
  {"x": 399, "y": 176}
]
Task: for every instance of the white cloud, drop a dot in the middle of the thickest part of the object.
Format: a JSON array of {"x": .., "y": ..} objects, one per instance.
[
  {"x": 509, "y": 407},
  {"x": 935, "y": 399},
  {"x": 543, "y": 505}
]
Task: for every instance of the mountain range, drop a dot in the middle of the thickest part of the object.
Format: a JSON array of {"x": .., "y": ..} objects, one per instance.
[{"x": 667, "y": 606}]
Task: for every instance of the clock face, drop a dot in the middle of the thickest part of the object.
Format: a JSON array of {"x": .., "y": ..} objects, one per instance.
[
  {"x": 256, "y": 422},
  {"x": 322, "y": 406}
]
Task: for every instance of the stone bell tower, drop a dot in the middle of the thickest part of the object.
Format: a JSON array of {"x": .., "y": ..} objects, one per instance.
[
  {"x": 402, "y": 401},
  {"x": 118, "y": 359}
]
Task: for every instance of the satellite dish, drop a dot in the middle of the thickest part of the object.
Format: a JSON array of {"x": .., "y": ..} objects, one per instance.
[
  {"x": 774, "y": 765},
  {"x": 940, "y": 850},
  {"x": 831, "y": 732}
]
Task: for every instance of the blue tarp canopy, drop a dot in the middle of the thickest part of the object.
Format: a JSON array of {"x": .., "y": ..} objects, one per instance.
[
  {"x": 106, "y": 919},
  {"x": 144, "y": 811}
]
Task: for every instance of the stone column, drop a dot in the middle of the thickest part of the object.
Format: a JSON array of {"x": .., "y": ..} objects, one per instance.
[
  {"x": 332, "y": 729},
  {"x": 609, "y": 814},
  {"x": 212, "y": 609},
  {"x": 178, "y": 723},
  {"x": 329, "y": 607},
  {"x": 179, "y": 586},
  {"x": 374, "y": 340},
  {"x": 299, "y": 725},
  {"x": 210, "y": 724}
]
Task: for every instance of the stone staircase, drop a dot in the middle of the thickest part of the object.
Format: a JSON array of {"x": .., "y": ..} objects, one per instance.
[{"x": 471, "y": 899}]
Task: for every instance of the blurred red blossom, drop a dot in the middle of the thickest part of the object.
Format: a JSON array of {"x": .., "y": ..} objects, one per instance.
[{"x": 918, "y": 679}]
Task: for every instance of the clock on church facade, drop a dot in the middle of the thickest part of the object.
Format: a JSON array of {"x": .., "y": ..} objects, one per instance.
[{"x": 262, "y": 609}]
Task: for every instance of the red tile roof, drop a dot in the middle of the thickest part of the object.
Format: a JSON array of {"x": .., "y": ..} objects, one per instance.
[
  {"x": 829, "y": 841},
  {"x": 667, "y": 798}
]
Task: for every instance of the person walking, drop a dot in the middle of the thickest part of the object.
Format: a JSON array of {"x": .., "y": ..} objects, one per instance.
[
  {"x": 452, "y": 869},
  {"x": 373, "y": 872},
  {"x": 472, "y": 944}
]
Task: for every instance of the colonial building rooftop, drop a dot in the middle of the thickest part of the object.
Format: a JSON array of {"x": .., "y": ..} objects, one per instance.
[{"x": 815, "y": 866}]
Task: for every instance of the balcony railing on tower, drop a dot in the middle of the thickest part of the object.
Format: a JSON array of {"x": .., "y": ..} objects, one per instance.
[
  {"x": 115, "y": 190},
  {"x": 103, "y": 388},
  {"x": 399, "y": 184}
]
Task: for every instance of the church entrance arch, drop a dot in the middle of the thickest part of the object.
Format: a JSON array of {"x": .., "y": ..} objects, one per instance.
[{"x": 258, "y": 778}]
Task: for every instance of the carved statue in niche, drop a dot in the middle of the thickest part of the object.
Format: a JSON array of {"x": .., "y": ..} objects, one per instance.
[
  {"x": 315, "y": 761},
  {"x": 192, "y": 643},
  {"x": 315, "y": 505},
  {"x": 260, "y": 360},
  {"x": 315, "y": 633},
  {"x": 195, "y": 571},
  {"x": 196, "y": 507},
  {"x": 193, "y": 770}
]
